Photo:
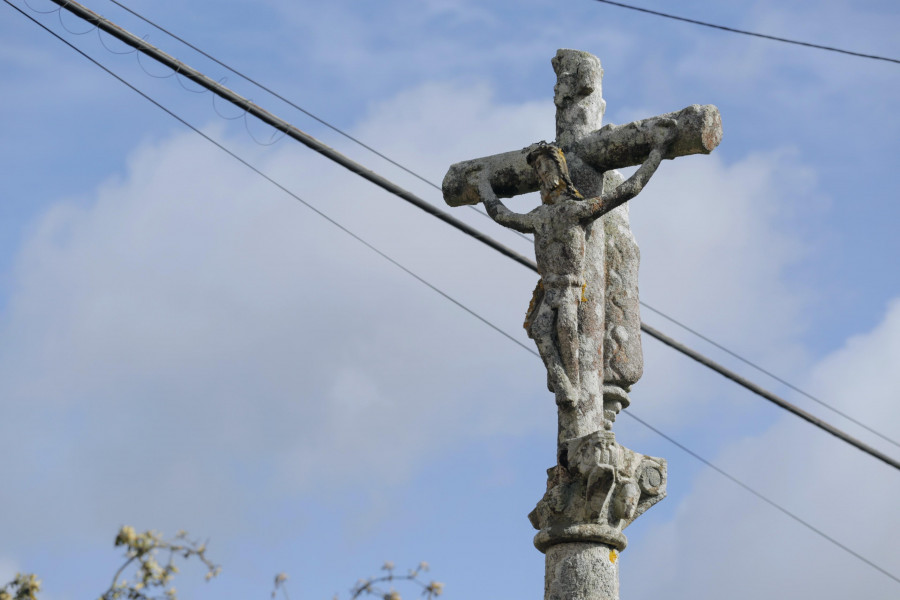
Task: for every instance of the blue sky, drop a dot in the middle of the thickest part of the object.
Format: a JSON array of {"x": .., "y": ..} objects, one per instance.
[{"x": 184, "y": 346}]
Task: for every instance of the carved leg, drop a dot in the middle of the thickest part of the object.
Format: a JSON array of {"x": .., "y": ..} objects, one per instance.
[
  {"x": 542, "y": 330},
  {"x": 601, "y": 484},
  {"x": 567, "y": 334}
]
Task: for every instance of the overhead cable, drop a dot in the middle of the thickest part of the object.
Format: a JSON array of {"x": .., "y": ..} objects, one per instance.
[
  {"x": 437, "y": 187},
  {"x": 776, "y": 400},
  {"x": 287, "y": 101},
  {"x": 282, "y": 125},
  {"x": 751, "y": 33},
  {"x": 770, "y": 374},
  {"x": 768, "y": 501},
  {"x": 444, "y": 294},
  {"x": 314, "y": 144},
  {"x": 276, "y": 94}
]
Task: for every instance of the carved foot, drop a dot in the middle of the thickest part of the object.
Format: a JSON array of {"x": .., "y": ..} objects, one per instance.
[
  {"x": 567, "y": 398},
  {"x": 615, "y": 399}
]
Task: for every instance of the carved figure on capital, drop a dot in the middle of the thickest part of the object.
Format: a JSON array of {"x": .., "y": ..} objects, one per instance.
[{"x": 595, "y": 491}]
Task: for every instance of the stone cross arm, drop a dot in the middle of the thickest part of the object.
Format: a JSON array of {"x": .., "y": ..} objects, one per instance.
[{"x": 699, "y": 131}]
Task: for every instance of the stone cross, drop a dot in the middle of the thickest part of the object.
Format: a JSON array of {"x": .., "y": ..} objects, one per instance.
[{"x": 584, "y": 315}]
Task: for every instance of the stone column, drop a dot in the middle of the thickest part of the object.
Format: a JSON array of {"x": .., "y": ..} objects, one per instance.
[
  {"x": 597, "y": 487},
  {"x": 580, "y": 571}
]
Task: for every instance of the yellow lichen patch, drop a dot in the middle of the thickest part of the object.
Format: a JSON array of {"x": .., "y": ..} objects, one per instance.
[
  {"x": 583, "y": 288},
  {"x": 613, "y": 556},
  {"x": 536, "y": 297}
]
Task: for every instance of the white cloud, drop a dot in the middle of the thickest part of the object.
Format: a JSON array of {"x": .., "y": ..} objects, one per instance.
[
  {"x": 860, "y": 378},
  {"x": 724, "y": 541},
  {"x": 717, "y": 255},
  {"x": 190, "y": 332},
  {"x": 189, "y": 323}
]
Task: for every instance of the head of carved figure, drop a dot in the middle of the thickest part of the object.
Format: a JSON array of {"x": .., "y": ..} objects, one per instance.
[
  {"x": 626, "y": 501},
  {"x": 578, "y": 76},
  {"x": 549, "y": 163}
]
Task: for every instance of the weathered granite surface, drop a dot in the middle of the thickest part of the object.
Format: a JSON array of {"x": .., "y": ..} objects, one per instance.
[
  {"x": 581, "y": 571},
  {"x": 598, "y": 488},
  {"x": 584, "y": 315}
]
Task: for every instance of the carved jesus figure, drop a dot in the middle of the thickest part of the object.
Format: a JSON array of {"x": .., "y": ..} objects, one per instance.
[{"x": 558, "y": 225}]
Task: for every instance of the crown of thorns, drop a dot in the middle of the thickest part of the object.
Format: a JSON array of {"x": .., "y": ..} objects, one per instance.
[
  {"x": 548, "y": 150},
  {"x": 559, "y": 159}
]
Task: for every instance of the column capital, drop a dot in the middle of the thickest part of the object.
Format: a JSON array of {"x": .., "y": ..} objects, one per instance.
[{"x": 598, "y": 488}]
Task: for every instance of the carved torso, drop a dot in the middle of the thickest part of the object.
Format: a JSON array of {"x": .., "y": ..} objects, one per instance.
[{"x": 559, "y": 243}]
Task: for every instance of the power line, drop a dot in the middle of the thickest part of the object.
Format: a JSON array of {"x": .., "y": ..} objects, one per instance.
[
  {"x": 522, "y": 235},
  {"x": 447, "y": 296},
  {"x": 314, "y": 144},
  {"x": 768, "y": 501},
  {"x": 776, "y": 400},
  {"x": 769, "y": 373},
  {"x": 282, "y": 187},
  {"x": 434, "y": 185},
  {"x": 751, "y": 33},
  {"x": 292, "y": 104},
  {"x": 280, "y": 124},
  {"x": 276, "y": 94}
]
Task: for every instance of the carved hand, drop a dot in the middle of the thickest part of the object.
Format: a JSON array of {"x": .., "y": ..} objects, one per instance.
[
  {"x": 664, "y": 133},
  {"x": 485, "y": 190},
  {"x": 497, "y": 210}
]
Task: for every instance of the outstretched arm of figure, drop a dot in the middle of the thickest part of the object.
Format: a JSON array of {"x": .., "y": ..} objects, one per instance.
[
  {"x": 631, "y": 187},
  {"x": 498, "y": 211}
]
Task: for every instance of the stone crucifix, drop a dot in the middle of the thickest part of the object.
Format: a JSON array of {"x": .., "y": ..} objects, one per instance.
[{"x": 584, "y": 314}]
